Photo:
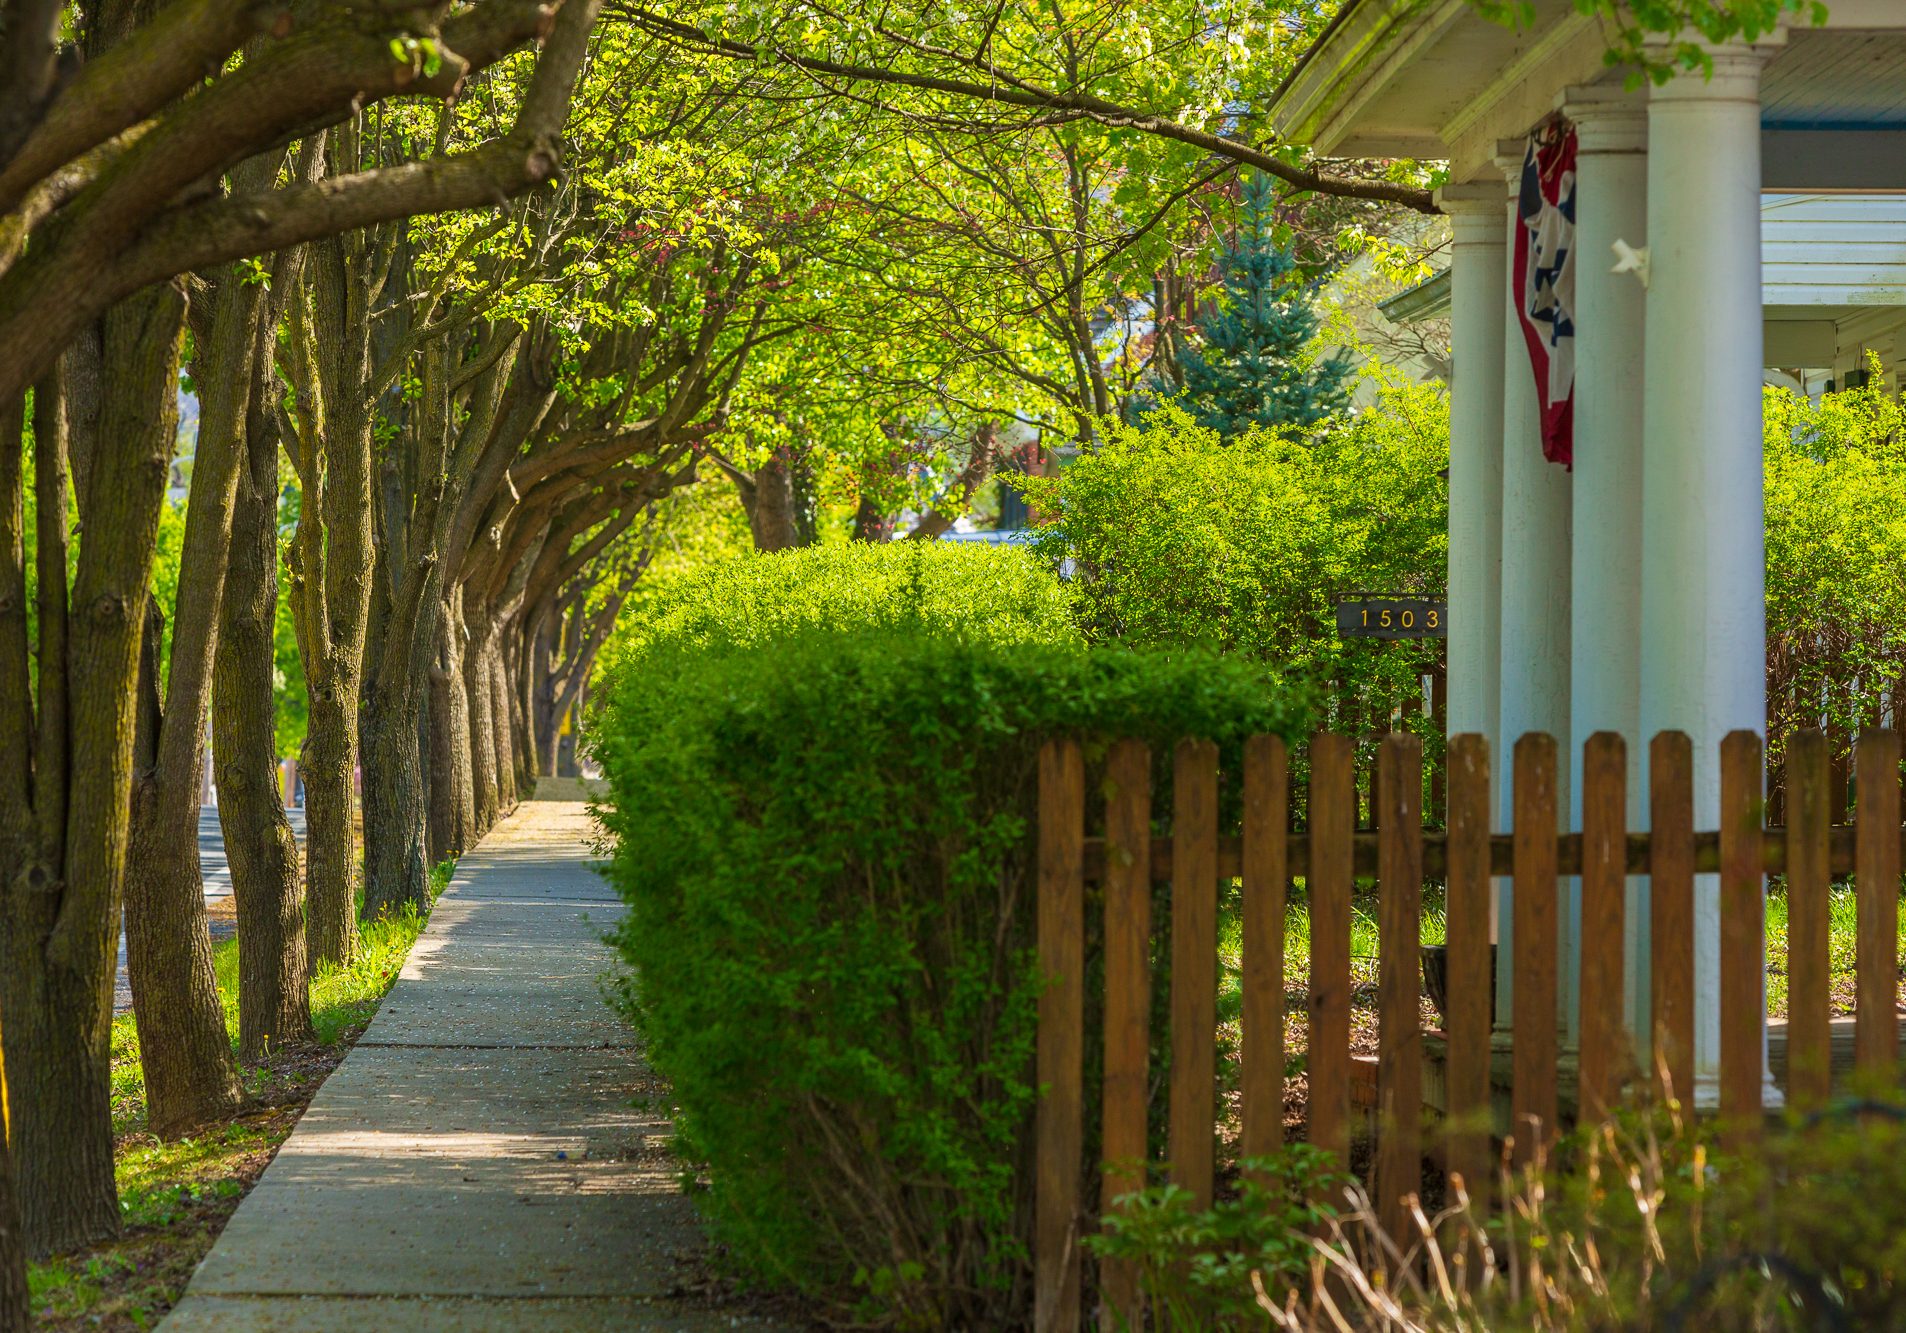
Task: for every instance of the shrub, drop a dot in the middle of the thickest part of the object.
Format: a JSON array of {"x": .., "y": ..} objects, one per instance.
[
  {"x": 826, "y": 840},
  {"x": 1835, "y": 473},
  {"x": 1178, "y": 537},
  {"x": 957, "y": 589}
]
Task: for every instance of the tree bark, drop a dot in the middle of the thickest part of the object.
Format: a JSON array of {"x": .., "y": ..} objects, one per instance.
[
  {"x": 63, "y": 838},
  {"x": 481, "y": 709},
  {"x": 517, "y": 672},
  {"x": 14, "y": 1312},
  {"x": 544, "y": 726},
  {"x": 452, "y": 795},
  {"x": 13, "y": 1290},
  {"x": 767, "y": 497},
  {"x": 395, "y": 876},
  {"x": 183, "y": 1045},
  {"x": 328, "y": 766},
  {"x": 274, "y": 991},
  {"x": 569, "y": 758},
  {"x": 505, "y": 735},
  {"x": 331, "y": 563}
]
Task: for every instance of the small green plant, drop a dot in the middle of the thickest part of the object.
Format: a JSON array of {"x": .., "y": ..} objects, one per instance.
[{"x": 1196, "y": 1265}]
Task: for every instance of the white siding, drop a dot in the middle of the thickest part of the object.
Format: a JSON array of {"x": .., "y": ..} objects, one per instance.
[{"x": 1833, "y": 249}]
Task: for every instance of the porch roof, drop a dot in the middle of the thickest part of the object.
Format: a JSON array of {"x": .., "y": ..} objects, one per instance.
[{"x": 1433, "y": 79}]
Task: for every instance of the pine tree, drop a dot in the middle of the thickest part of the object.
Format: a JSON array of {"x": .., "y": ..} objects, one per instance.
[{"x": 1254, "y": 366}]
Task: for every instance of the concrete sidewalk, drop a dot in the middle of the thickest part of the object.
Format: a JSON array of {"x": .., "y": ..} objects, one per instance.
[{"x": 483, "y": 1159}]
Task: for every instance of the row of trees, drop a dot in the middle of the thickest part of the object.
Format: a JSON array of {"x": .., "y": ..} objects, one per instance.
[{"x": 466, "y": 291}]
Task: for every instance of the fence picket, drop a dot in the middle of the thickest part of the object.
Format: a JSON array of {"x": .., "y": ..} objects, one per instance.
[
  {"x": 1743, "y": 1014},
  {"x": 1876, "y": 857},
  {"x": 1604, "y": 1042},
  {"x": 1468, "y": 1017},
  {"x": 1809, "y": 997},
  {"x": 1333, "y": 821},
  {"x": 1399, "y": 947},
  {"x": 1533, "y": 1096},
  {"x": 1266, "y": 838},
  {"x": 1671, "y": 909},
  {"x": 1127, "y": 1083},
  {"x": 1060, "y": 1124},
  {"x": 1194, "y": 966},
  {"x": 1329, "y": 854}
]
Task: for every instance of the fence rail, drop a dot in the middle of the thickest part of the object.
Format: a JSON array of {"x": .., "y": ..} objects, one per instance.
[{"x": 1330, "y": 855}]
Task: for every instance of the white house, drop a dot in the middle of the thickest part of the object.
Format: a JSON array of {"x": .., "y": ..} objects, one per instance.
[{"x": 1627, "y": 595}]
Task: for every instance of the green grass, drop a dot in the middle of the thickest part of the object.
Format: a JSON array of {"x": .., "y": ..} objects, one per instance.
[
  {"x": 174, "y": 1197},
  {"x": 1842, "y": 944},
  {"x": 1363, "y": 934},
  {"x": 342, "y": 1000},
  {"x": 1841, "y": 940}
]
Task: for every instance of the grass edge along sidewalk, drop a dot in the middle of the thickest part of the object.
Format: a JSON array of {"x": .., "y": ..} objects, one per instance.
[{"x": 175, "y": 1198}]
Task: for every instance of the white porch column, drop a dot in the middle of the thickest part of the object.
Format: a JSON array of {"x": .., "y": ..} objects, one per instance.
[
  {"x": 1535, "y": 583},
  {"x": 1478, "y": 306},
  {"x": 1611, "y": 204},
  {"x": 1703, "y": 647}
]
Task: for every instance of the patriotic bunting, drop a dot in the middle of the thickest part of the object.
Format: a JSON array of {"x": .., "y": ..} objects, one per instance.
[{"x": 1545, "y": 281}]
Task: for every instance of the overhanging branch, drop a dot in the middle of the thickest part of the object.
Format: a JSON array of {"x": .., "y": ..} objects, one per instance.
[{"x": 1017, "y": 92}]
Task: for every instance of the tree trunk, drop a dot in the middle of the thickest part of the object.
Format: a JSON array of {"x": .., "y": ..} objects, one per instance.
[
  {"x": 274, "y": 990},
  {"x": 481, "y": 706},
  {"x": 771, "y": 518},
  {"x": 184, "y": 1050},
  {"x": 516, "y": 675},
  {"x": 544, "y": 726},
  {"x": 13, "y": 1294},
  {"x": 63, "y": 837},
  {"x": 569, "y": 763},
  {"x": 395, "y": 876},
  {"x": 327, "y": 764},
  {"x": 452, "y": 795},
  {"x": 331, "y": 562},
  {"x": 183, "y": 1045},
  {"x": 505, "y": 726}
]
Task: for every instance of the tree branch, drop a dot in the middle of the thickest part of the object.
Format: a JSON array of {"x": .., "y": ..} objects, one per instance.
[
  {"x": 1012, "y": 91},
  {"x": 115, "y": 246}
]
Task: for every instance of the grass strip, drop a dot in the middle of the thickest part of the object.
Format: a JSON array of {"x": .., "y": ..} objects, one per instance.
[{"x": 175, "y": 1197}]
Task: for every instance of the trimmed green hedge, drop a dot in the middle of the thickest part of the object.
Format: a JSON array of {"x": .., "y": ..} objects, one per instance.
[
  {"x": 996, "y": 593},
  {"x": 826, "y": 842}
]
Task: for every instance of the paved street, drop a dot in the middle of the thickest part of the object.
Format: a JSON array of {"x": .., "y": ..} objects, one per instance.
[{"x": 216, "y": 872}]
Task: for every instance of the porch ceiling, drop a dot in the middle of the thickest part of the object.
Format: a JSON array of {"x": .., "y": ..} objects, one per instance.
[
  {"x": 1431, "y": 79},
  {"x": 1829, "y": 79},
  {"x": 1399, "y": 78}
]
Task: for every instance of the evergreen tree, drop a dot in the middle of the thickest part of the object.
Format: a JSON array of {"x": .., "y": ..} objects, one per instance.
[{"x": 1253, "y": 367}]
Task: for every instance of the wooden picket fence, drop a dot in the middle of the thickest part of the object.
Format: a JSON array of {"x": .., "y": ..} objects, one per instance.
[{"x": 1330, "y": 855}]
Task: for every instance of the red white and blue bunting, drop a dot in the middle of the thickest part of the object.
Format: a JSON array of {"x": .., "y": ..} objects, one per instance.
[{"x": 1545, "y": 281}]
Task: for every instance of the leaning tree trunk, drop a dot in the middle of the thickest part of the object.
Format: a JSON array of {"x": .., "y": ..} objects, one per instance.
[
  {"x": 63, "y": 822},
  {"x": 274, "y": 991}
]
